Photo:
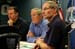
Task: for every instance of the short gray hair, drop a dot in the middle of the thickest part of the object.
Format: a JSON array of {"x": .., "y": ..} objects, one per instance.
[{"x": 39, "y": 11}]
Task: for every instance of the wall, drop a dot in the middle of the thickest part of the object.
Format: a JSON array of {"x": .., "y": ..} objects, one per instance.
[{"x": 26, "y": 5}]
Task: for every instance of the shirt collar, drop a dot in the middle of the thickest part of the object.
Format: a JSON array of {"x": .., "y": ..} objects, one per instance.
[{"x": 38, "y": 23}]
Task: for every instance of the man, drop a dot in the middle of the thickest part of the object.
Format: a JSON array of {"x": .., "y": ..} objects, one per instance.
[
  {"x": 15, "y": 20},
  {"x": 37, "y": 28},
  {"x": 55, "y": 35}
]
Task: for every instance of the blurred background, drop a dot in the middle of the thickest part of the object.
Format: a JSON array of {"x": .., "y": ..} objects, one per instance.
[{"x": 25, "y": 6}]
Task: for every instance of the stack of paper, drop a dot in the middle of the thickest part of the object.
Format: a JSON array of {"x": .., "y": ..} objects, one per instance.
[{"x": 26, "y": 45}]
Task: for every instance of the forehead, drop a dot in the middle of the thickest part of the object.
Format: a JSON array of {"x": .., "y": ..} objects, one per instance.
[{"x": 11, "y": 10}]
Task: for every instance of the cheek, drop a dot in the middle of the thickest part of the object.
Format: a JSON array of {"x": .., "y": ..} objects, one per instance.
[
  {"x": 48, "y": 12},
  {"x": 35, "y": 20},
  {"x": 13, "y": 17}
]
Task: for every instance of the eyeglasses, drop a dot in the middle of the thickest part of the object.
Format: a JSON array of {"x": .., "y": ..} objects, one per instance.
[{"x": 51, "y": 7}]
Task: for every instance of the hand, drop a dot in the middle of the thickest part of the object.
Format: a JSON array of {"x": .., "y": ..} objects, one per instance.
[
  {"x": 39, "y": 41},
  {"x": 10, "y": 22},
  {"x": 30, "y": 34},
  {"x": 42, "y": 44},
  {"x": 45, "y": 46}
]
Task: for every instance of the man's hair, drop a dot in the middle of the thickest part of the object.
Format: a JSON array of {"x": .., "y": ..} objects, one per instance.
[
  {"x": 39, "y": 11},
  {"x": 53, "y": 0},
  {"x": 52, "y": 4},
  {"x": 15, "y": 9}
]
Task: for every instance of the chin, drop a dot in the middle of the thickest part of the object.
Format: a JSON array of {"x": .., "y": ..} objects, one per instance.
[{"x": 34, "y": 22}]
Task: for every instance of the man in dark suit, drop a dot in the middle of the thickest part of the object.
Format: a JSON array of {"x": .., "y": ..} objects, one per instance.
[
  {"x": 55, "y": 36},
  {"x": 15, "y": 20}
]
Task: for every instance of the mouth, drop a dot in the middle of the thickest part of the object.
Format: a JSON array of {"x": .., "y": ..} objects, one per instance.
[{"x": 48, "y": 17}]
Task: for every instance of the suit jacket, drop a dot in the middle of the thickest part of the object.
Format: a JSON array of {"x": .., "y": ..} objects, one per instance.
[{"x": 55, "y": 35}]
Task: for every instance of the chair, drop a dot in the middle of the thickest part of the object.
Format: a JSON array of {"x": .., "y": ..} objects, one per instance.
[{"x": 9, "y": 37}]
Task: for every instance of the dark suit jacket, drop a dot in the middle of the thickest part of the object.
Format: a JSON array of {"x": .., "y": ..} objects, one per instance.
[
  {"x": 23, "y": 26},
  {"x": 55, "y": 35}
]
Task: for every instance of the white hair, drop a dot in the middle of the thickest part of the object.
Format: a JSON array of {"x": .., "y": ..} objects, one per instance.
[{"x": 52, "y": 4}]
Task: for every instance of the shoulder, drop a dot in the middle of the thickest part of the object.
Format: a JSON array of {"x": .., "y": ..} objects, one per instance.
[
  {"x": 23, "y": 23},
  {"x": 57, "y": 22},
  {"x": 45, "y": 21},
  {"x": 22, "y": 20},
  {"x": 44, "y": 24},
  {"x": 32, "y": 25}
]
